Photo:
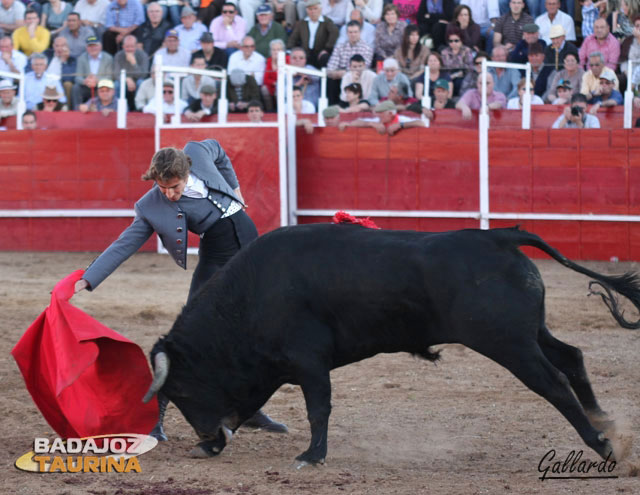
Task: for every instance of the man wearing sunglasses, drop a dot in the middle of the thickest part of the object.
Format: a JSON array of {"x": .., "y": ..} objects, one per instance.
[
  {"x": 228, "y": 29},
  {"x": 168, "y": 101}
]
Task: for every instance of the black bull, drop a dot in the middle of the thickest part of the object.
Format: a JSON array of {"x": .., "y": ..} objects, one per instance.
[{"x": 301, "y": 301}]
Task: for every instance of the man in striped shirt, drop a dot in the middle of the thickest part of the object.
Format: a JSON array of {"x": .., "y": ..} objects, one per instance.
[{"x": 508, "y": 28}]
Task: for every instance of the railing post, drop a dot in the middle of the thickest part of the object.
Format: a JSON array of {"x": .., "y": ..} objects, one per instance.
[{"x": 122, "y": 101}]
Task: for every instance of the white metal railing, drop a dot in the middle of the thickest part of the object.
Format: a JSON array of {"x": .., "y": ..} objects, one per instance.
[
  {"x": 426, "y": 99},
  {"x": 122, "y": 101},
  {"x": 628, "y": 98},
  {"x": 22, "y": 106}
]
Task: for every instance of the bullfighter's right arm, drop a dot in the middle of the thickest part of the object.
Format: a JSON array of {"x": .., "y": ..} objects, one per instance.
[{"x": 119, "y": 251}]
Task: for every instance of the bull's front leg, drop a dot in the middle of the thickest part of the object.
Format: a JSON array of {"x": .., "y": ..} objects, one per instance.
[{"x": 317, "y": 395}]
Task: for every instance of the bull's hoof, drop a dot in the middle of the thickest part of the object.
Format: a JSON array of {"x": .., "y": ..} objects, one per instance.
[
  {"x": 158, "y": 433},
  {"x": 204, "y": 451},
  {"x": 310, "y": 457},
  {"x": 302, "y": 464},
  {"x": 262, "y": 421}
]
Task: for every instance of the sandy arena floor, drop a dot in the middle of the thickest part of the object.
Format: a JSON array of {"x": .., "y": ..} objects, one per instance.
[{"x": 399, "y": 425}]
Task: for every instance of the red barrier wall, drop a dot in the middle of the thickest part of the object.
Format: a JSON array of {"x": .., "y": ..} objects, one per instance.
[{"x": 553, "y": 171}]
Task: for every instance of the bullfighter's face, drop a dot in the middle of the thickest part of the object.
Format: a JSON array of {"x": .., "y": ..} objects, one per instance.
[{"x": 172, "y": 188}]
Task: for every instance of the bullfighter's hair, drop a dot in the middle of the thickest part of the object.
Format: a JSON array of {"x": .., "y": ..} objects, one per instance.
[{"x": 168, "y": 163}]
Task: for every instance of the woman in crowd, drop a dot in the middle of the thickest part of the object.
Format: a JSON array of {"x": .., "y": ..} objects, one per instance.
[
  {"x": 470, "y": 31},
  {"x": 268, "y": 88},
  {"x": 620, "y": 20},
  {"x": 389, "y": 32},
  {"x": 354, "y": 101},
  {"x": 412, "y": 55},
  {"x": 516, "y": 102},
  {"x": 433, "y": 18},
  {"x": 457, "y": 58},
  {"x": 630, "y": 49},
  {"x": 54, "y": 15},
  {"x": 572, "y": 72},
  {"x": 434, "y": 62}
]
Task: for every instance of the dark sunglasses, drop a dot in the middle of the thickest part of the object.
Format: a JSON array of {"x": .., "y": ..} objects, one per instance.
[
  {"x": 228, "y": 11},
  {"x": 168, "y": 91},
  {"x": 50, "y": 101},
  {"x": 454, "y": 40}
]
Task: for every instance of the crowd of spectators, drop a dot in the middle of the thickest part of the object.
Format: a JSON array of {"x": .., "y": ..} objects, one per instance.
[{"x": 374, "y": 51}]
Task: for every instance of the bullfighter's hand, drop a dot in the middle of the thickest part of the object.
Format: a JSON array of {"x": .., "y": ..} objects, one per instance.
[{"x": 81, "y": 285}]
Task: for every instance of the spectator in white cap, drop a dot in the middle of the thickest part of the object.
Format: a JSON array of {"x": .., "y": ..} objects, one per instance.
[
  {"x": 266, "y": 30},
  {"x": 554, "y": 54},
  {"x": 104, "y": 102},
  {"x": 609, "y": 96},
  {"x": 391, "y": 84},
  {"x": 8, "y": 100},
  {"x": 190, "y": 30},
  {"x": 552, "y": 16},
  {"x": 601, "y": 41},
  {"x": 386, "y": 121}
]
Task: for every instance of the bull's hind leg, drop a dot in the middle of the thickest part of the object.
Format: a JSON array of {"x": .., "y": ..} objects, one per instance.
[
  {"x": 316, "y": 387},
  {"x": 528, "y": 363},
  {"x": 568, "y": 360},
  {"x": 158, "y": 430}
]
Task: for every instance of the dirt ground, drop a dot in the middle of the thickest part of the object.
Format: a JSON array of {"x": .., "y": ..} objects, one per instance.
[{"x": 399, "y": 425}]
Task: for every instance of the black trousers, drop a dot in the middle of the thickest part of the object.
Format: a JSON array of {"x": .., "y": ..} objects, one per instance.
[{"x": 219, "y": 244}]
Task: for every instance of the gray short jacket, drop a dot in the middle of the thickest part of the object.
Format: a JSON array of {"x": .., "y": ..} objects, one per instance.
[{"x": 154, "y": 212}]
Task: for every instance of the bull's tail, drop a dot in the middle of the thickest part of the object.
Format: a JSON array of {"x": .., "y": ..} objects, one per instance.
[{"x": 628, "y": 284}]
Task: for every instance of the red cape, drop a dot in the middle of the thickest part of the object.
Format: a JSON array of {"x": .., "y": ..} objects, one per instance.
[{"x": 85, "y": 378}]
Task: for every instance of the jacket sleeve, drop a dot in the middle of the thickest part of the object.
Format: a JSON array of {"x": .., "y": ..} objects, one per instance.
[{"x": 132, "y": 239}]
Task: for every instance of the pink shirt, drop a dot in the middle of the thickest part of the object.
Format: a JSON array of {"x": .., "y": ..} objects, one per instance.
[
  {"x": 610, "y": 49},
  {"x": 473, "y": 99},
  {"x": 222, "y": 35}
]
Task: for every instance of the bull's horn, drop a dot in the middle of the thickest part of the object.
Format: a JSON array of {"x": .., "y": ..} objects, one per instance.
[
  {"x": 161, "y": 370},
  {"x": 228, "y": 434}
]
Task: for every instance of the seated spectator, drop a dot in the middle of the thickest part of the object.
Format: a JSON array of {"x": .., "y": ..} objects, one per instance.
[
  {"x": 331, "y": 116},
  {"x": 358, "y": 73},
  {"x": 193, "y": 83},
  {"x": 629, "y": 51},
  {"x": 29, "y": 121},
  {"x": 248, "y": 10},
  {"x": 601, "y": 41},
  {"x": 241, "y": 89},
  {"x": 11, "y": 60},
  {"x": 123, "y": 18},
  {"x": 31, "y": 38},
  {"x": 590, "y": 12},
  {"x": 590, "y": 85},
  {"x": 171, "y": 11},
  {"x": 54, "y": 15},
  {"x": 336, "y": 10},
  {"x": 310, "y": 84},
  {"x": 471, "y": 79},
  {"x": 146, "y": 91},
  {"x": 266, "y": 30},
  {"x": 562, "y": 94},
  {"x": 434, "y": 61},
  {"x": 93, "y": 14},
  {"x": 215, "y": 59},
  {"x": 62, "y": 65},
  {"x": 412, "y": 55},
  {"x": 76, "y": 35},
  {"x": 8, "y": 99},
  {"x": 571, "y": 75},
  {"x": 575, "y": 115},
  {"x": 485, "y": 14},
  {"x": 93, "y": 65},
  {"x": 168, "y": 101},
  {"x": 508, "y": 29},
  {"x": 505, "y": 80},
  {"x": 51, "y": 101},
  {"x": 354, "y": 101},
  {"x": 391, "y": 84},
  {"x": 469, "y": 30},
  {"x": 552, "y": 16},
  {"x": 301, "y": 105},
  {"x": 319, "y": 48},
  {"x": 135, "y": 63},
  {"x": 228, "y": 29},
  {"x": 389, "y": 32},
  {"x": 284, "y": 13},
  {"x": 11, "y": 16},
  {"x": 517, "y": 102},
  {"x": 386, "y": 121},
  {"x": 472, "y": 99},
  {"x": 407, "y": 10},
  {"x": 268, "y": 89},
  {"x": 190, "y": 31},
  {"x": 367, "y": 30},
  {"x": 554, "y": 54},
  {"x": 433, "y": 19},
  {"x": 36, "y": 81},
  {"x": 371, "y": 10},
  {"x": 539, "y": 72},
  {"x": 204, "y": 106},
  {"x": 255, "y": 112},
  {"x": 172, "y": 53},
  {"x": 457, "y": 59},
  {"x": 608, "y": 97},
  {"x": 104, "y": 102},
  {"x": 530, "y": 35},
  {"x": 620, "y": 19},
  {"x": 151, "y": 33},
  {"x": 248, "y": 60},
  {"x": 441, "y": 100}
]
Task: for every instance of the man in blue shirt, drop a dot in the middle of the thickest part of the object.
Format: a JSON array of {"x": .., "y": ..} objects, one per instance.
[
  {"x": 123, "y": 18},
  {"x": 609, "y": 96}
]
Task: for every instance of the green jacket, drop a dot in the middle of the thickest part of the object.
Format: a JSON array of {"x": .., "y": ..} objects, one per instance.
[{"x": 276, "y": 31}]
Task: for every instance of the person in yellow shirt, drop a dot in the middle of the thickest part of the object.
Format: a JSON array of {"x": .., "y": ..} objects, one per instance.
[{"x": 31, "y": 38}]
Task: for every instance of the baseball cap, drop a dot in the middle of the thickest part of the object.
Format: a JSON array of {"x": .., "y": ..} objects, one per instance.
[
  {"x": 263, "y": 9},
  {"x": 92, "y": 40},
  {"x": 564, "y": 83},
  {"x": 171, "y": 32},
  {"x": 105, "y": 83},
  {"x": 206, "y": 37},
  {"x": 384, "y": 106},
  {"x": 442, "y": 84},
  {"x": 608, "y": 76}
]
